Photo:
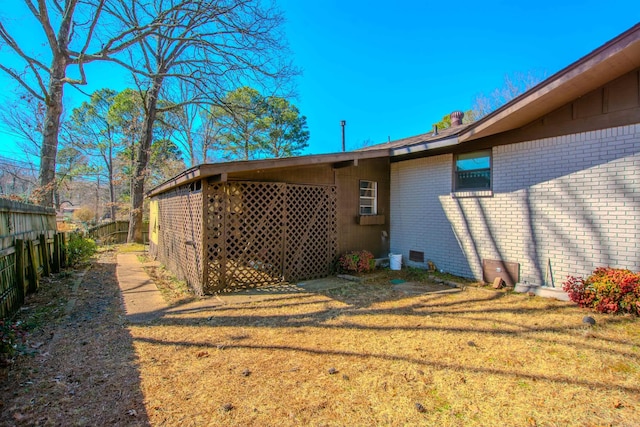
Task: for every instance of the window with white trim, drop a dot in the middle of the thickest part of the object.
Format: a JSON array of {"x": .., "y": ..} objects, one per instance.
[
  {"x": 368, "y": 197},
  {"x": 473, "y": 171}
]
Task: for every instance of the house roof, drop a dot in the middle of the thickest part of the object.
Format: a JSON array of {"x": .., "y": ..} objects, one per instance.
[
  {"x": 608, "y": 62},
  {"x": 219, "y": 171}
]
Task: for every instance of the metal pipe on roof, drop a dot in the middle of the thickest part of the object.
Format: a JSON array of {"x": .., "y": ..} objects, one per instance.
[{"x": 343, "y": 123}]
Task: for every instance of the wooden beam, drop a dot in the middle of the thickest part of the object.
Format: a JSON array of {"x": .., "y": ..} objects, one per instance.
[
  {"x": 221, "y": 177},
  {"x": 345, "y": 164}
]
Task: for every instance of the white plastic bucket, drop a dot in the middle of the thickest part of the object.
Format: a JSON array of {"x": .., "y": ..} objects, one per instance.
[{"x": 395, "y": 261}]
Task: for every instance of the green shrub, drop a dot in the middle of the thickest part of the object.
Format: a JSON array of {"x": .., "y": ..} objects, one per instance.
[
  {"x": 12, "y": 340},
  {"x": 80, "y": 249},
  {"x": 356, "y": 262},
  {"x": 606, "y": 290}
]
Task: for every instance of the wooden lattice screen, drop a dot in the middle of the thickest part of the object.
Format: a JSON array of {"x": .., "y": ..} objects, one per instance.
[
  {"x": 260, "y": 233},
  {"x": 179, "y": 229},
  {"x": 311, "y": 231}
]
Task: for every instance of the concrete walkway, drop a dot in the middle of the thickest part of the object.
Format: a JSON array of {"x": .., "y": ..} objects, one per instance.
[{"x": 143, "y": 301}]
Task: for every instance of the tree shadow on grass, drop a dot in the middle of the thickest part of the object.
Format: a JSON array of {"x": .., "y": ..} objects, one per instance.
[
  {"x": 520, "y": 374},
  {"x": 483, "y": 321}
]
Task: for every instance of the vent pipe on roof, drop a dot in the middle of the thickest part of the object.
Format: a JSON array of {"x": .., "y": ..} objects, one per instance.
[
  {"x": 435, "y": 130},
  {"x": 456, "y": 118},
  {"x": 343, "y": 123}
]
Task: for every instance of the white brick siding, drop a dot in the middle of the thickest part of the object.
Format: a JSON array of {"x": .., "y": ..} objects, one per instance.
[{"x": 570, "y": 202}]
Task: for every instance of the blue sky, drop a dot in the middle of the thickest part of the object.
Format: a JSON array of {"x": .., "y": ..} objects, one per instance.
[{"x": 391, "y": 70}]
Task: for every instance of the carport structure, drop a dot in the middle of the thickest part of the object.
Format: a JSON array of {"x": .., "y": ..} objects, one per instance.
[{"x": 245, "y": 224}]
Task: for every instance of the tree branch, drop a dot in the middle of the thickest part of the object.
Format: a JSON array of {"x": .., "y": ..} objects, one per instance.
[
  {"x": 42, "y": 15},
  {"x": 22, "y": 82}
]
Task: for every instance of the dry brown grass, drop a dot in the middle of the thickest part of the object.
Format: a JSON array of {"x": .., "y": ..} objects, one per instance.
[
  {"x": 368, "y": 355},
  {"x": 360, "y": 355}
]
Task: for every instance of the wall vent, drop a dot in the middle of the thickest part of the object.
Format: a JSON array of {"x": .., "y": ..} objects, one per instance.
[{"x": 416, "y": 256}]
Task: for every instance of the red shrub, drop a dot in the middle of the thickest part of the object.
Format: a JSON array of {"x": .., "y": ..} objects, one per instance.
[
  {"x": 607, "y": 290},
  {"x": 356, "y": 261}
]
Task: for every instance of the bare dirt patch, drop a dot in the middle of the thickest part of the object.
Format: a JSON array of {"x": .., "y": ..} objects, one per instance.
[
  {"x": 361, "y": 354},
  {"x": 83, "y": 369}
]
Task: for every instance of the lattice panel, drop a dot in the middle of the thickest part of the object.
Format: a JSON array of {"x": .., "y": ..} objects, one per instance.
[
  {"x": 214, "y": 217},
  {"x": 259, "y": 233},
  {"x": 179, "y": 228},
  {"x": 244, "y": 234},
  {"x": 311, "y": 224}
]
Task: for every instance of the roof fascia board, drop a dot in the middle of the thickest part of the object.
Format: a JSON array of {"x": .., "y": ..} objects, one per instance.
[
  {"x": 189, "y": 175},
  {"x": 425, "y": 146}
]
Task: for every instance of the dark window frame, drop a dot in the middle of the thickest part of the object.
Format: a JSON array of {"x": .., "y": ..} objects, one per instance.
[{"x": 463, "y": 179}]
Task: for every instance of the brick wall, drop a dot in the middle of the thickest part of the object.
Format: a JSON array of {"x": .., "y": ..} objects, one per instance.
[{"x": 560, "y": 206}]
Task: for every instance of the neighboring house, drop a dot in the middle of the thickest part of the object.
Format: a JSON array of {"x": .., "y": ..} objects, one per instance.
[
  {"x": 251, "y": 223},
  {"x": 546, "y": 186}
]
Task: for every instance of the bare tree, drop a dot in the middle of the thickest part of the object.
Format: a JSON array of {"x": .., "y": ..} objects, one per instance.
[
  {"x": 74, "y": 33},
  {"x": 17, "y": 178},
  {"x": 514, "y": 85},
  {"x": 196, "y": 130},
  {"x": 184, "y": 119},
  {"x": 92, "y": 132},
  {"x": 208, "y": 136},
  {"x": 24, "y": 118},
  {"x": 209, "y": 45}
]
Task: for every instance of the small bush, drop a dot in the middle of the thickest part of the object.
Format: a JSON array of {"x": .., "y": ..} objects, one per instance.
[
  {"x": 12, "y": 340},
  {"x": 607, "y": 290},
  {"x": 356, "y": 262},
  {"x": 80, "y": 249}
]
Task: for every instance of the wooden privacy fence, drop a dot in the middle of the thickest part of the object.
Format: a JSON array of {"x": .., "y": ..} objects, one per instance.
[
  {"x": 115, "y": 232},
  {"x": 30, "y": 247}
]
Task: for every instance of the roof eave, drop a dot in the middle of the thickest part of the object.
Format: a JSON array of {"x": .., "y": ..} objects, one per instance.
[
  {"x": 208, "y": 170},
  {"x": 425, "y": 146}
]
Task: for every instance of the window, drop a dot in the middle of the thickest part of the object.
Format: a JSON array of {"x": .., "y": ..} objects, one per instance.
[
  {"x": 473, "y": 171},
  {"x": 368, "y": 197}
]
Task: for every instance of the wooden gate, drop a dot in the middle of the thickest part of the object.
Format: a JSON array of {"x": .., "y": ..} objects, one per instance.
[{"x": 260, "y": 233}]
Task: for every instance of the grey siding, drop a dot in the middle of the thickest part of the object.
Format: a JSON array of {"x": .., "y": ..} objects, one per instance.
[{"x": 560, "y": 206}]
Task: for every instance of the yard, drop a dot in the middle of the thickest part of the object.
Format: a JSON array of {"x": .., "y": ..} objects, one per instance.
[{"x": 361, "y": 354}]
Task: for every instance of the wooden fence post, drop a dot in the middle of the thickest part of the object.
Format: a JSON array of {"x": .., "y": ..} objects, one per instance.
[
  {"x": 33, "y": 266},
  {"x": 56, "y": 253},
  {"x": 63, "y": 250},
  {"x": 19, "y": 246},
  {"x": 44, "y": 252}
]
